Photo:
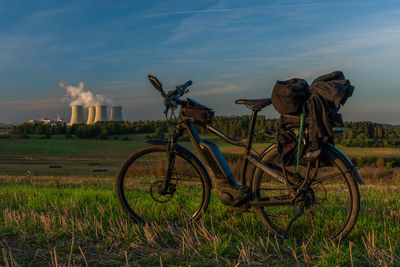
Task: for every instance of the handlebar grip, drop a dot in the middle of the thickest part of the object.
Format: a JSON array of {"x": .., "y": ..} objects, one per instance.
[{"x": 187, "y": 84}]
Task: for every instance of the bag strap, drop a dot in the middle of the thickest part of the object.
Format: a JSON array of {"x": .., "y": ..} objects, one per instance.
[{"x": 299, "y": 140}]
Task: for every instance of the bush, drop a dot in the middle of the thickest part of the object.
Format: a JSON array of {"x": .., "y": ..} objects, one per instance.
[
  {"x": 103, "y": 135},
  {"x": 88, "y": 131},
  {"x": 68, "y": 135},
  {"x": 159, "y": 134},
  {"x": 24, "y": 136}
]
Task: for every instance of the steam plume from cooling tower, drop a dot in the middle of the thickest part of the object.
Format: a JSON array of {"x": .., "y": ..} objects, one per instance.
[{"x": 80, "y": 96}]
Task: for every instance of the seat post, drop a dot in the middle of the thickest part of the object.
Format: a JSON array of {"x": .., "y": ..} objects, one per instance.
[
  {"x": 250, "y": 137},
  {"x": 252, "y": 125}
]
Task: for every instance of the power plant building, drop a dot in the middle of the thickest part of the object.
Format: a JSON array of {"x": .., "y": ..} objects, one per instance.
[
  {"x": 91, "y": 115},
  {"x": 95, "y": 114},
  {"x": 77, "y": 115},
  {"x": 101, "y": 113},
  {"x": 116, "y": 113}
]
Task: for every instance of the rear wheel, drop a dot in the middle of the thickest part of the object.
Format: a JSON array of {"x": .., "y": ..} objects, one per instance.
[
  {"x": 142, "y": 175},
  {"x": 331, "y": 204}
]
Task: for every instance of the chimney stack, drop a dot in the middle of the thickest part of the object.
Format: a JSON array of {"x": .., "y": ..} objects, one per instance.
[
  {"x": 116, "y": 113},
  {"x": 77, "y": 115},
  {"x": 101, "y": 113},
  {"x": 91, "y": 114}
]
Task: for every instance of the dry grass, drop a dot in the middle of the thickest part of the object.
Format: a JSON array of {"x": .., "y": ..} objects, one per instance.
[{"x": 65, "y": 231}]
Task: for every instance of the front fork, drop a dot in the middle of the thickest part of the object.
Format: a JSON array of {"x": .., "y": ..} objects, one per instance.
[{"x": 171, "y": 155}]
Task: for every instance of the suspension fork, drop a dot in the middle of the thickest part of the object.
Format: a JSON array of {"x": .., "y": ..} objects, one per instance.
[{"x": 171, "y": 155}]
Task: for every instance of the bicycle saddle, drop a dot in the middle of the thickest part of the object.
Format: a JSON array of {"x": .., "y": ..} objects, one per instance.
[{"x": 255, "y": 103}]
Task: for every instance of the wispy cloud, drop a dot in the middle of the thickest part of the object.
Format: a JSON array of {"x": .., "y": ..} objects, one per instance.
[
  {"x": 33, "y": 104},
  {"x": 122, "y": 85},
  {"x": 229, "y": 21},
  {"x": 50, "y": 12},
  {"x": 224, "y": 10},
  {"x": 220, "y": 88}
]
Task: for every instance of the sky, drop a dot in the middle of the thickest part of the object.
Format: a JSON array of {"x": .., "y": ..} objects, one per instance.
[{"x": 229, "y": 49}]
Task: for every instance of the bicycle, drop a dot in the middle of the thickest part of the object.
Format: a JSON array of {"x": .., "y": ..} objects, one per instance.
[{"x": 164, "y": 181}]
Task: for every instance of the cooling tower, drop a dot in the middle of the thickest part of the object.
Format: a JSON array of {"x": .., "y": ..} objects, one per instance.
[
  {"x": 101, "y": 113},
  {"x": 77, "y": 115},
  {"x": 91, "y": 112},
  {"x": 116, "y": 113}
]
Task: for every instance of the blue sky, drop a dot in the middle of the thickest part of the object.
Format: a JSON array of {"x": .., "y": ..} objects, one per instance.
[{"x": 230, "y": 49}]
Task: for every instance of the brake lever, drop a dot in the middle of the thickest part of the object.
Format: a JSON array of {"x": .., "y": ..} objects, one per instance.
[{"x": 166, "y": 112}]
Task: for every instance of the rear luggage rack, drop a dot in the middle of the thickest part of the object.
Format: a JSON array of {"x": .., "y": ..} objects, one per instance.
[{"x": 338, "y": 130}]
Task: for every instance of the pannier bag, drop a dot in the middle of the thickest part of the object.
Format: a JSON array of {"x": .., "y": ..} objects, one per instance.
[
  {"x": 327, "y": 94},
  {"x": 287, "y": 138},
  {"x": 288, "y": 96},
  {"x": 197, "y": 112},
  {"x": 318, "y": 105}
]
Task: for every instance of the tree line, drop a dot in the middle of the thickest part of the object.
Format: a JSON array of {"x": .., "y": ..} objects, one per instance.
[{"x": 356, "y": 134}]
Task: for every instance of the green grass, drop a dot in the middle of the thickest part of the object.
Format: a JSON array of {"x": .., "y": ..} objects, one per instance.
[
  {"x": 71, "y": 219},
  {"x": 77, "y": 157},
  {"x": 70, "y": 215},
  {"x": 58, "y": 147},
  {"x": 67, "y": 149},
  {"x": 34, "y": 156}
]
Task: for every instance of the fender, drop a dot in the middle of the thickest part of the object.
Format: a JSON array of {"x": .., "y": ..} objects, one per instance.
[
  {"x": 183, "y": 149},
  {"x": 271, "y": 146},
  {"x": 335, "y": 150},
  {"x": 347, "y": 161}
]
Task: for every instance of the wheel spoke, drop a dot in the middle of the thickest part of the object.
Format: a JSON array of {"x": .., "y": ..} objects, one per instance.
[
  {"x": 273, "y": 189},
  {"x": 141, "y": 187},
  {"x": 328, "y": 177},
  {"x": 330, "y": 205},
  {"x": 185, "y": 179}
]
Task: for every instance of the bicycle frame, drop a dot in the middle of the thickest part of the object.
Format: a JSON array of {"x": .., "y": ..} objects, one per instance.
[{"x": 221, "y": 167}]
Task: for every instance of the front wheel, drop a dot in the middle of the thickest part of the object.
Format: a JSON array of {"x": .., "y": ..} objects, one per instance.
[
  {"x": 331, "y": 204},
  {"x": 142, "y": 175}
]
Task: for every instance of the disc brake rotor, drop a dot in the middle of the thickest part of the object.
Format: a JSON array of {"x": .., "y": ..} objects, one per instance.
[{"x": 161, "y": 198}]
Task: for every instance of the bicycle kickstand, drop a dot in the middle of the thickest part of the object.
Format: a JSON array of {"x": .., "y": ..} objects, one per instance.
[{"x": 299, "y": 212}]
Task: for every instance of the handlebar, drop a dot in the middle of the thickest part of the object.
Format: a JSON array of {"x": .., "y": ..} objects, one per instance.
[
  {"x": 172, "y": 97},
  {"x": 180, "y": 89}
]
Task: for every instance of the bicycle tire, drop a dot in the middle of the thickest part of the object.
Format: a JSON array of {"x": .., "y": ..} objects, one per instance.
[
  {"x": 144, "y": 170},
  {"x": 332, "y": 221}
]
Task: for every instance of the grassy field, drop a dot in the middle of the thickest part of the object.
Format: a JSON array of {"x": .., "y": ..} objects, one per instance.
[
  {"x": 80, "y": 157},
  {"x": 71, "y": 216},
  {"x": 69, "y": 220}
]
